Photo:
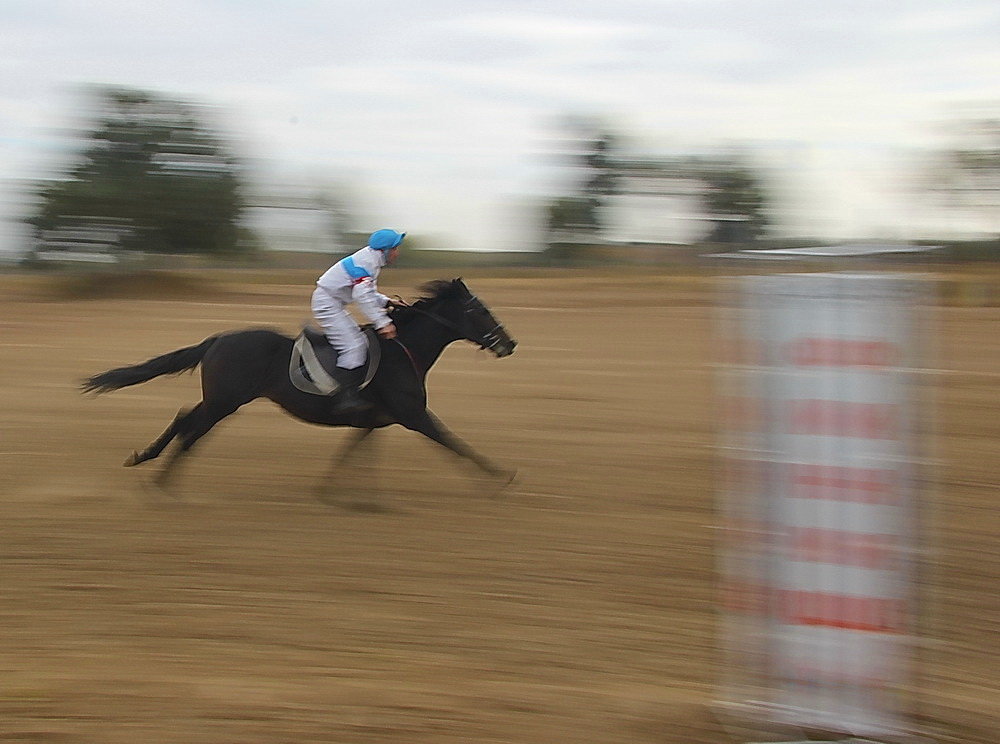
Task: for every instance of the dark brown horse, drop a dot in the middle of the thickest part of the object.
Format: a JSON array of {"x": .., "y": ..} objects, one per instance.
[{"x": 241, "y": 366}]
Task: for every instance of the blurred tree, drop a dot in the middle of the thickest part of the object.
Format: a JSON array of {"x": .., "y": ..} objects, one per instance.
[
  {"x": 600, "y": 163},
  {"x": 592, "y": 153},
  {"x": 733, "y": 197},
  {"x": 968, "y": 171},
  {"x": 154, "y": 173},
  {"x": 572, "y": 214}
]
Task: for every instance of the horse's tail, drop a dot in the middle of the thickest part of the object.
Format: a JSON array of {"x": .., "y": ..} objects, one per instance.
[{"x": 167, "y": 364}]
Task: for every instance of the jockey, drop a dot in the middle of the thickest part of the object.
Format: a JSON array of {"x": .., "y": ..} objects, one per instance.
[{"x": 354, "y": 280}]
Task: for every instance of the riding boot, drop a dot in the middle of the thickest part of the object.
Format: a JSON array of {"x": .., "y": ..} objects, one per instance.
[{"x": 347, "y": 399}]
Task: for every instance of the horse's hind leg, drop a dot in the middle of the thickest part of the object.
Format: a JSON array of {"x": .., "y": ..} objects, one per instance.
[
  {"x": 189, "y": 429},
  {"x": 154, "y": 449}
]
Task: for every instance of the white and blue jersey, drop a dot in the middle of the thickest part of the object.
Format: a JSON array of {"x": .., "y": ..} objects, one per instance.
[
  {"x": 350, "y": 280},
  {"x": 355, "y": 279}
]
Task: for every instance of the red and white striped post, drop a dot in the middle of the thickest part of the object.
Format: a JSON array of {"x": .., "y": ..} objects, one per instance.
[{"x": 820, "y": 502}]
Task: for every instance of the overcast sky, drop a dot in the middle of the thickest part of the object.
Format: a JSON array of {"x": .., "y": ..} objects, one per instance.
[{"x": 440, "y": 113}]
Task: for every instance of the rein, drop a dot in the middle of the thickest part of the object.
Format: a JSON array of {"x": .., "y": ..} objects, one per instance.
[
  {"x": 488, "y": 340},
  {"x": 409, "y": 354}
]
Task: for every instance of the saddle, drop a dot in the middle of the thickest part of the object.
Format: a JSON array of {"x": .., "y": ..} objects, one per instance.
[{"x": 313, "y": 364}]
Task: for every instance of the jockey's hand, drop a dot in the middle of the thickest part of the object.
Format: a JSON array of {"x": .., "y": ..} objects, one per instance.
[{"x": 387, "y": 332}]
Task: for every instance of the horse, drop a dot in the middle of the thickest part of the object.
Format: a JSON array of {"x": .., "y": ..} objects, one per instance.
[{"x": 238, "y": 367}]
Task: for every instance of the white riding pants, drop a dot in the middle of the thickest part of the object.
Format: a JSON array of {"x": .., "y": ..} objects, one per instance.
[{"x": 340, "y": 328}]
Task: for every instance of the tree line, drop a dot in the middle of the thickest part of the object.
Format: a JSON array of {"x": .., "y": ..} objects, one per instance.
[{"x": 154, "y": 175}]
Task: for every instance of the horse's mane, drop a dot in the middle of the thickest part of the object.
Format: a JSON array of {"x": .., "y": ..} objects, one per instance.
[{"x": 430, "y": 293}]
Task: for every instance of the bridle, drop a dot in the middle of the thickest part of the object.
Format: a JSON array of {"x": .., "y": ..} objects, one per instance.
[{"x": 486, "y": 341}]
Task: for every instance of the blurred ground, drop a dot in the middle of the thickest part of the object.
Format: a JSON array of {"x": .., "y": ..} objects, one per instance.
[{"x": 577, "y": 608}]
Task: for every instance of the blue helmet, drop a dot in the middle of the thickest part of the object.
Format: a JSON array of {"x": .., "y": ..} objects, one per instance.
[{"x": 384, "y": 240}]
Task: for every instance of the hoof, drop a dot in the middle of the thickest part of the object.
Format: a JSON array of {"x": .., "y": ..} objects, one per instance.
[
  {"x": 506, "y": 477},
  {"x": 131, "y": 460}
]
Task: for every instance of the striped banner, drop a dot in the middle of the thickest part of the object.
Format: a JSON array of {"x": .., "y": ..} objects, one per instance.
[{"x": 820, "y": 500}]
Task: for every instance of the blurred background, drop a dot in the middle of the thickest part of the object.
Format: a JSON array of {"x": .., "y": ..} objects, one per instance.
[
  {"x": 482, "y": 127},
  {"x": 597, "y": 171}
]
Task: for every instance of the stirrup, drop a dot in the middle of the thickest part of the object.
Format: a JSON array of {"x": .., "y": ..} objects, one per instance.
[{"x": 348, "y": 398}]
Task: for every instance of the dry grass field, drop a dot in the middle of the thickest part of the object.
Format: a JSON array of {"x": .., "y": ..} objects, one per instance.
[{"x": 411, "y": 606}]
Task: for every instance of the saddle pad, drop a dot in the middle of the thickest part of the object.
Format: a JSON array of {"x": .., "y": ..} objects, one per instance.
[{"x": 307, "y": 373}]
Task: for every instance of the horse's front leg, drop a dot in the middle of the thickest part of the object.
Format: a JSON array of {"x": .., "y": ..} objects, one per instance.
[
  {"x": 354, "y": 441},
  {"x": 430, "y": 426},
  {"x": 355, "y": 438}
]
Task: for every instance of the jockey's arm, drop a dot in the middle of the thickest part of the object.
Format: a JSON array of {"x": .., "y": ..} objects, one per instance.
[{"x": 371, "y": 302}]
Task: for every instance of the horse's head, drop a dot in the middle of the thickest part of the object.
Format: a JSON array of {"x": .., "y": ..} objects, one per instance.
[
  {"x": 481, "y": 327},
  {"x": 466, "y": 314}
]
